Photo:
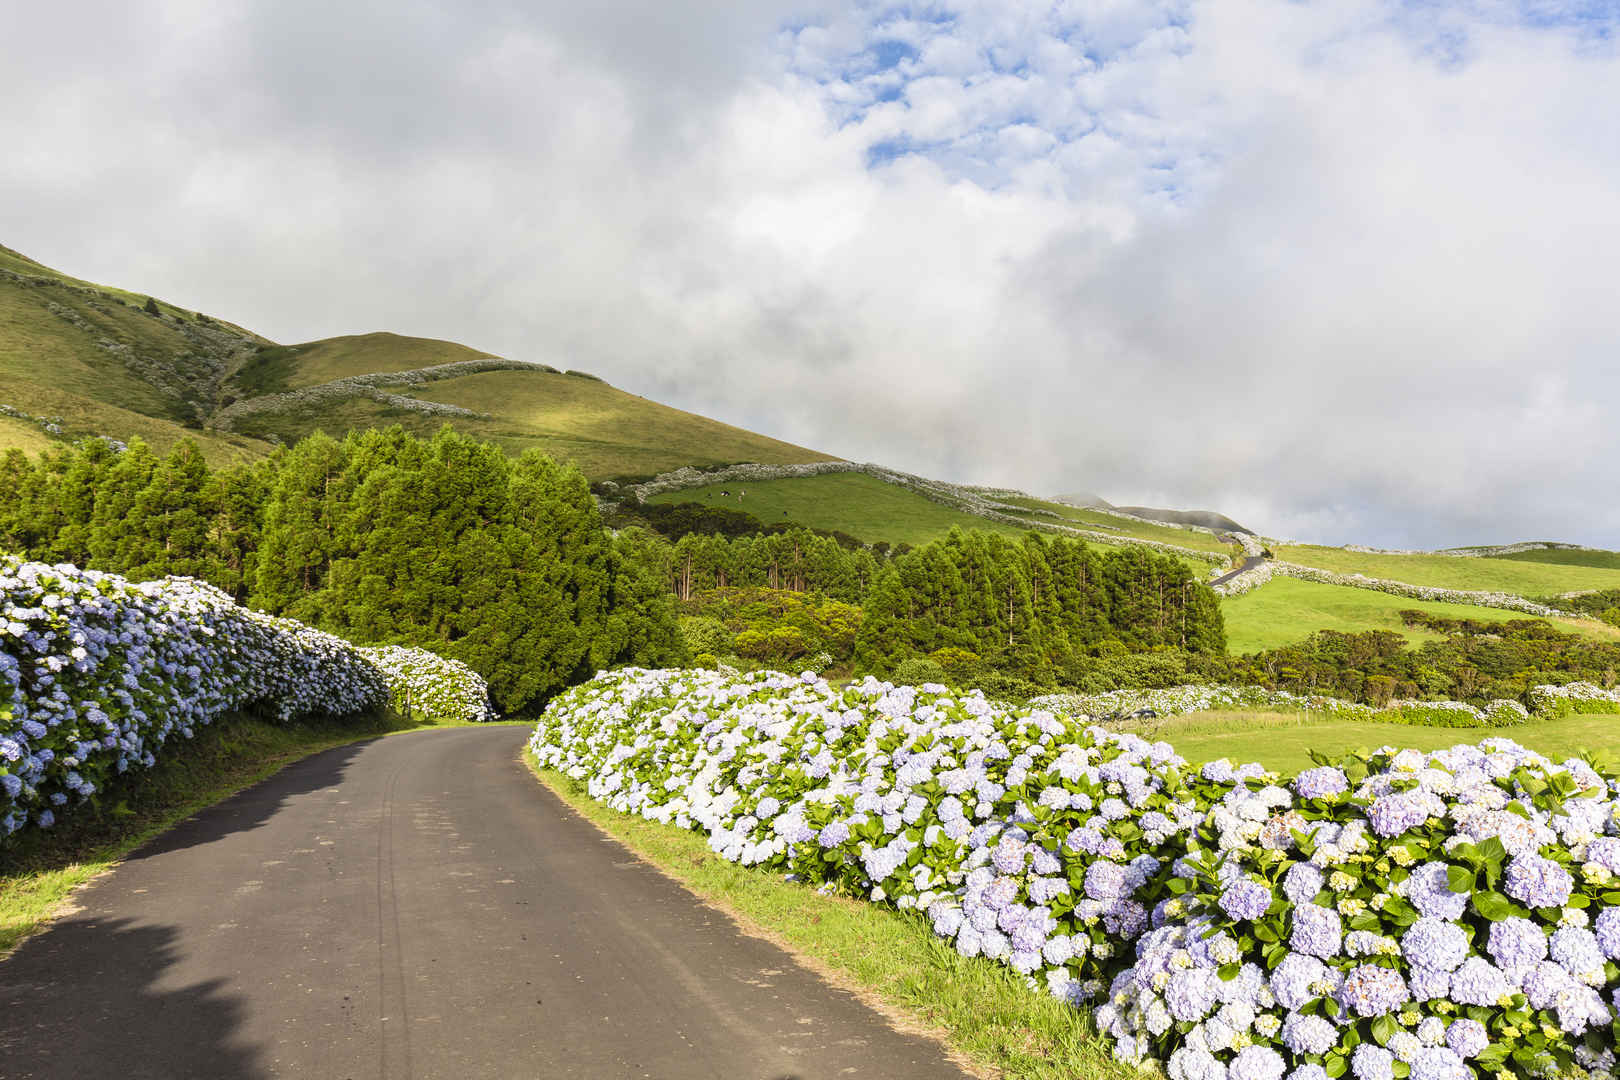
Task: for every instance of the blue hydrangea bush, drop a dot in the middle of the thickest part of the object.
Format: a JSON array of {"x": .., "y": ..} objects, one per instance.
[
  {"x": 97, "y": 673},
  {"x": 1434, "y": 916},
  {"x": 428, "y": 686}
]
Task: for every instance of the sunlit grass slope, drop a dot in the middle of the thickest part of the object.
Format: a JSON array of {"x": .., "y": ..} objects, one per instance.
[
  {"x": 1283, "y": 741},
  {"x": 602, "y": 429},
  {"x": 93, "y": 357},
  {"x": 1522, "y": 577},
  {"x": 860, "y": 505},
  {"x": 1286, "y": 610},
  {"x": 288, "y": 367},
  {"x": 1601, "y": 560}
]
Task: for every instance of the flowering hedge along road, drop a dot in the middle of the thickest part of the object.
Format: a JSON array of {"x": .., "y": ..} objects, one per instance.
[
  {"x": 1549, "y": 700},
  {"x": 1434, "y": 916},
  {"x": 97, "y": 673},
  {"x": 431, "y": 686}
]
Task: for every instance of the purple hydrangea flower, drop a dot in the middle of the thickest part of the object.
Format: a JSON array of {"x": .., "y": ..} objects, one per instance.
[
  {"x": 1370, "y": 990},
  {"x": 1256, "y": 1063},
  {"x": 1607, "y": 929},
  {"x": 1323, "y": 782},
  {"x": 1537, "y": 882},
  {"x": 1191, "y": 994},
  {"x": 1245, "y": 899},
  {"x": 1431, "y": 895},
  {"x": 1440, "y": 1063},
  {"x": 1467, "y": 1037},
  {"x": 1575, "y": 949},
  {"x": 1107, "y": 881},
  {"x": 1291, "y": 982},
  {"x": 1318, "y": 931},
  {"x": 1302, "y": 882},
  {"x": 834, "y": 834},
  {"x": 1392, "y": 815},
  {"x": 1370, "y": 1062},
  {"x": 1516, "y": 943},
  {"x": 1309, "y": 1034},
  {"x": 1479, "y": 982},
  {"x": 1435, "y": 943},
  {"x": 1605, "y": 851}
]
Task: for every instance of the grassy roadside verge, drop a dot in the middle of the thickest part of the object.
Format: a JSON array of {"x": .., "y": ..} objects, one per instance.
[
  {"x": 39, "y": 870},
  {"x": 890, "y": 958}
]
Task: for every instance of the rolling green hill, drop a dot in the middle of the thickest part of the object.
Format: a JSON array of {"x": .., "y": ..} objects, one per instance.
[
  {"x": 80, "y": 359},
  {"x": 1286, "y": 610},
  {"x": 1541, "y": 577}
]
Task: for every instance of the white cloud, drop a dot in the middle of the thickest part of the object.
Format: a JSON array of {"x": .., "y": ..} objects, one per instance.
[{"x": 1343, "y": 269}]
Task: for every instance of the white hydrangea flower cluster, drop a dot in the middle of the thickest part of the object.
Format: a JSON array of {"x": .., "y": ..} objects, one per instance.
[
  {"x": 97, "y": 673},
  {"x": 1176, "y": 700},
  {"x": 426, "y": 685},
  {"x": 1435, "y": 916}
]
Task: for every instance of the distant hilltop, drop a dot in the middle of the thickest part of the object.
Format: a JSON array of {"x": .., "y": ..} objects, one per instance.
[{"x": 1204, "y": 519}]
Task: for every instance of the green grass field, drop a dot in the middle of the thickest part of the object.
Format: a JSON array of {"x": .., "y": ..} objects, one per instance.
[
  {"x": 1518, "y": 576},
  {"x": 860, "y": 505},
  {"x": 603, "y": 430},
  {"x": 358, "y": 354},
  {"x": 1283, "y": 741},
  {"x": 1286, "y": 610},
  {"x": 1124, "y": 527},
  {"x": 107, "y": 367},
  {"x": 1601, "y": 560}
]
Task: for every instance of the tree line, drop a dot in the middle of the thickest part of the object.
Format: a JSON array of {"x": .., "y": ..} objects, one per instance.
[
  {"x": 382, "y": 537},
  {"x": 1474, "y": 661}
]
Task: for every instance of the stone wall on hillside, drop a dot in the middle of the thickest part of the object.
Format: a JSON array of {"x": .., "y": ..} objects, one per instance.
[{"x": 976, "y": 501}]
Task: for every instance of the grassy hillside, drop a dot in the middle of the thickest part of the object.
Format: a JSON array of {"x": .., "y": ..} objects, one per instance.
[
  {"x": 1601, "y": 560},
  {"x": 1519, "y": 576},
  {"x": 278, "y": 368},
  {"x": 1124, "y": 527},
  {"x": 1285, "y": 610},
  {"x": 604, "y": 430},
  {"x": 860, "y": 505},
  {"x": 93, "y": 360},
  {"x": 97, "y": 361},
  {"x": 874, "y": 510}
]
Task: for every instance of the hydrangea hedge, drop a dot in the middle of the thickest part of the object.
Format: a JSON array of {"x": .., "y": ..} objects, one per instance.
[
  {"x": 426, "y": 685},
  {"x": 1503, "y": 712},
  {"x": 97, "y": 673},
  {"x": 1434, "y": 916}
]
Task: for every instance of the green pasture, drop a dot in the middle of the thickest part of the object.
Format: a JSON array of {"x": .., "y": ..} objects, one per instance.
[
  {"x": 860, "y": 505},
  {"x": 1283, "y": 741},
  {"x": 1286, "y": 610},
  {"x": 1521, "y": 577},
  {"x": 1124, "y": 527},
  {"x": 1599, "y": 560}
]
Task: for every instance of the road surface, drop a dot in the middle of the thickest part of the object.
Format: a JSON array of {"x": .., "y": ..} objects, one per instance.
[{"x": 418, "y": 906}]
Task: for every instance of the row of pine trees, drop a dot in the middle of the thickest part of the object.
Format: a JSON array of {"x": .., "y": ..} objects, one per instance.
[
  {"x": 506, "y": 565},
  {"x": 383, "y": 537}
]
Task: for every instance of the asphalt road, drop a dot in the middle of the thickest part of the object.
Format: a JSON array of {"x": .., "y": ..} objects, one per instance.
[
  {"x": 418, "y": 906},
  {"x": 1248, "y": 564}
]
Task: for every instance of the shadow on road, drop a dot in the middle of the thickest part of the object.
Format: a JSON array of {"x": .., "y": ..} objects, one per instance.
[
  {"x": 251, "y": 808},
  {"x": 84, "y": 1001}
]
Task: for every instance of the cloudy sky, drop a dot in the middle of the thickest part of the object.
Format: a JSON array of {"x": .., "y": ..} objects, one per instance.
[{"x": 1348, "y": 270}]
